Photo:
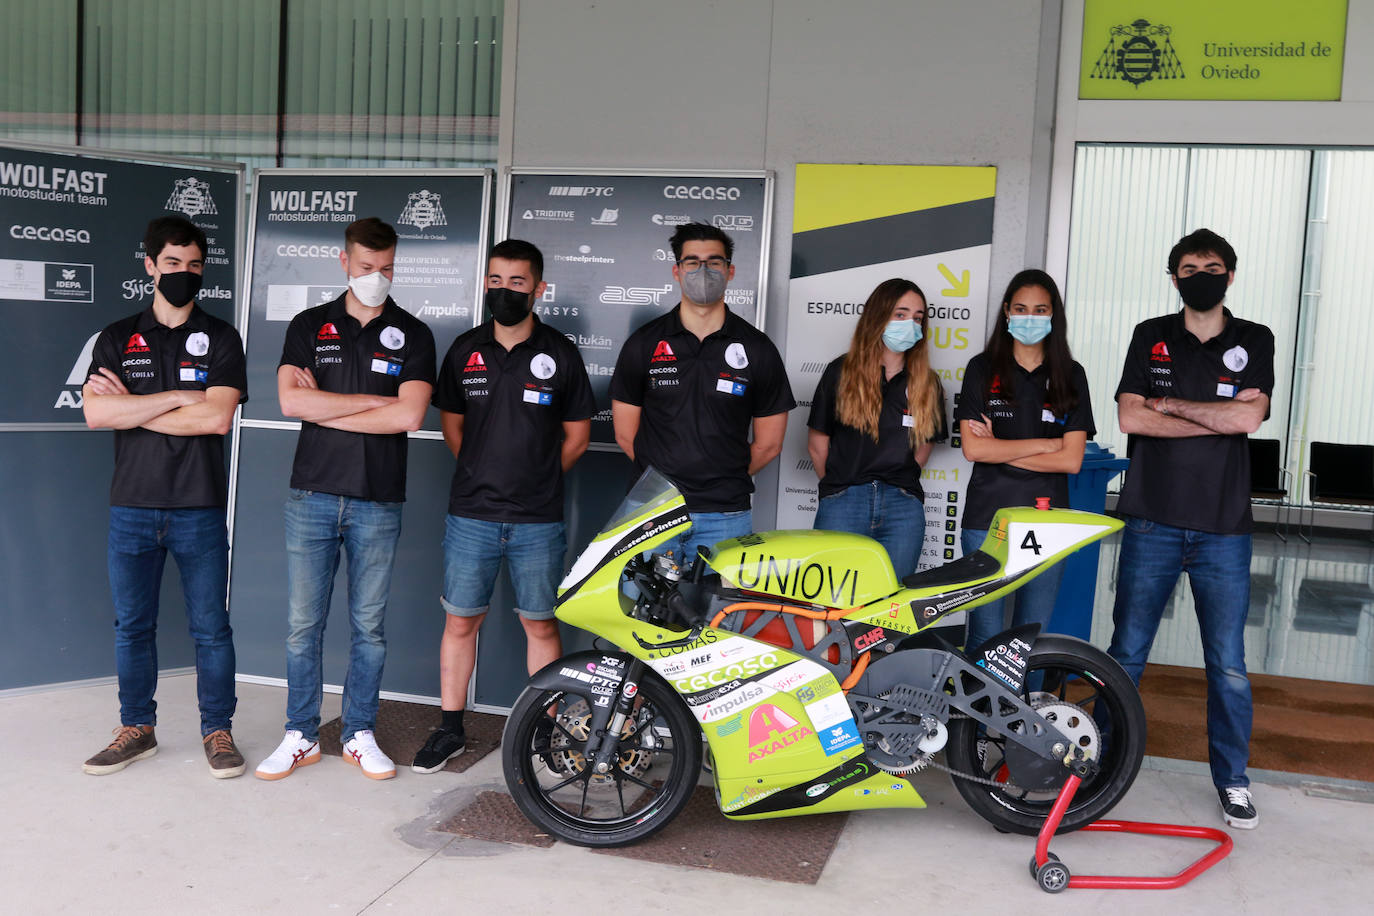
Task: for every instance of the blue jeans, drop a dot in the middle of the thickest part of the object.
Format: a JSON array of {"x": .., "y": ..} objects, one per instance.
[
  {"x": 317, "y": 525},
  {"x": 139, "y": 542},
  {"x": 1034, "y": 601},
  {"x": 708, "y": 529},
  {"x": 1218, "y": 566},
  {"x": 473, "y": 550},
  {"x": 888, "y": 514}
]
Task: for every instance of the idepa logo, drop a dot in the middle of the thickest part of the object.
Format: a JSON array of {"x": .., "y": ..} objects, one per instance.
[
  {"x": 1134, "y": 53},
  {"x": 772, "y": 730},
  {"x": 422, "y": 210},
  {"x": 192, "y": 197}
]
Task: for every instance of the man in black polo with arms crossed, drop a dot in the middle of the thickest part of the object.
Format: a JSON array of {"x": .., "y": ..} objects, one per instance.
[{"x": 167, "y": 381}]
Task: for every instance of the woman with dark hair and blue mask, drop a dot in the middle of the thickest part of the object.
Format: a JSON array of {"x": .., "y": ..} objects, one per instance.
[
  {"x": 1024, "y": 418},
  {"x": 878, "y": 411}
]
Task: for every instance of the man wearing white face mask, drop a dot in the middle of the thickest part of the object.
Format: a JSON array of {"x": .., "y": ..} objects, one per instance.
[
  {"x": 358, "y": 372},
  {"x": 690, "y": 387}
]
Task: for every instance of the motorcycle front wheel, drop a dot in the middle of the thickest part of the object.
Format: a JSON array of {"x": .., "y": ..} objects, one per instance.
[
  {"x": 1089, "y": 697},
  {"x": 655, "y": 769}
]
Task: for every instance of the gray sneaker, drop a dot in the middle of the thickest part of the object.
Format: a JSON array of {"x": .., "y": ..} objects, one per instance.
[
  {"x": 132, "y": 742},
  {"x": 225, "y": 760}
]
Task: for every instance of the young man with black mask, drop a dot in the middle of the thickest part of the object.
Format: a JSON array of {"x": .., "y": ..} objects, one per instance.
[
  {"x": 516, "y": 411},
  {"x": 167, "y": 381},
  {"x": 690, "y": 387},
  {"x": 1195, "y": 384}
]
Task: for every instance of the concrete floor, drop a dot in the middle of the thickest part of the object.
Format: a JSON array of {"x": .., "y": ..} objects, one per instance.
[{"x": 163, "y": 837}]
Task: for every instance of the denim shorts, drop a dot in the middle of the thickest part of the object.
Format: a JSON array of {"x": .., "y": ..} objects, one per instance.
[{"x": 473, "y": 550}]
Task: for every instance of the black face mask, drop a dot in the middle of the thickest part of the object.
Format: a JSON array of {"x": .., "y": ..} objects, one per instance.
[
  {"x": 1202, "y": 292},
  {"x": 179, "y": 288},
  {"x": 508, "y": 306}
]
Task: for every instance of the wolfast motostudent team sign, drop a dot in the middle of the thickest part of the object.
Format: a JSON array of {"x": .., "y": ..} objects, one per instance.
[
  {"x": 71, "y": 260},
  {"x": 607, "y": 260},
  {"x": 1224, "y": 49},
  {"x": 299, "y": 218},
  {"x": 853, "y": 227}
]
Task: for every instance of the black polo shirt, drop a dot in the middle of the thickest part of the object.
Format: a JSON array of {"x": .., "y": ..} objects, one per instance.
[
  {"x": 514, "y": 405},
  {"x": 155, "y": 470},
  {"x": 1020, "y": 410},
  {"x": 854, "y": 457},
  {"x": 699, "y": 398},
  {"x": 347, "y": 358},
  {"x": 1201, "y": 482}
]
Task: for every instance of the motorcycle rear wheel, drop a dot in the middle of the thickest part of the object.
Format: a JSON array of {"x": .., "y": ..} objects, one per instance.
[
  {"x": 1075, "y": 673},
  {"x": 657, "y": 763}
]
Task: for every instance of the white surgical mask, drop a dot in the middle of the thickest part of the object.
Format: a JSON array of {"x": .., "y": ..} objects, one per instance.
[{"x": 371, "y": 289}]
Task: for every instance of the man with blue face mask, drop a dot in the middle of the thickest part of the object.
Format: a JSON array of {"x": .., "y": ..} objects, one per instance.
[
  {"x": 358, "y": 373},
  {"x": 1195, "y": 384},
  {"x": 690, "y": 387}
]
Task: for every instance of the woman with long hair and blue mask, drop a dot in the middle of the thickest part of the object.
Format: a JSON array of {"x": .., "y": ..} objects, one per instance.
[
  {"x": 1024, "y": 418},
  {"x": 877, "y": 412}
]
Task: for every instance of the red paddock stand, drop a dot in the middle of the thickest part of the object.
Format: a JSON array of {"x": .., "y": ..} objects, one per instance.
[{"x": 1053, "y": 875}]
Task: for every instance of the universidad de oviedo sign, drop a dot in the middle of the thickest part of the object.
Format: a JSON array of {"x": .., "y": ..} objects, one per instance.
[{"x": 1220, "y": 49}]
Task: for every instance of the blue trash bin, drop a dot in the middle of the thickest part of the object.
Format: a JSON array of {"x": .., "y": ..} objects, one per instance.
[{"x": 1073, "y": 609}]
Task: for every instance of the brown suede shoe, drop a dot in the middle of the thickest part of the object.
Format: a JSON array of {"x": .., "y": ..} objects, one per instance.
[
  {"x": 132, "y": 742},
  {"x": 225, "y": 760}
]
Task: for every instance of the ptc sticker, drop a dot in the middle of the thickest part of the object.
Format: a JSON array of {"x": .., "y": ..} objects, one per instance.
[
  {"x": 198, "y": 344},
  {"x": 543, "y": 366},
  {"x": 392, "y": 337},
  {"x": 1235, "y": 358},
  {"x": 736, "y": 357}
]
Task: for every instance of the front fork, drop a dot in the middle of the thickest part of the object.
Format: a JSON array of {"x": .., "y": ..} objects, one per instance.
[{"x": 605, "y": 745}]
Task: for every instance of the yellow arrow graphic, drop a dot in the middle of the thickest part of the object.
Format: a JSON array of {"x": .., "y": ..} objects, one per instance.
[{"x": 958, "y": 285}]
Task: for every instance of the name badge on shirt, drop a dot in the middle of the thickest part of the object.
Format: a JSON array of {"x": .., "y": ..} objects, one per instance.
[
  {"x": 538, "y": 397},
  {"x": 907, "y": 420},
  {"x": 1225, "y": 390},
  {"x": 191, "y": 374},
  {"x": 386, "y": 367},
  {"x": 728, "y": 387}
]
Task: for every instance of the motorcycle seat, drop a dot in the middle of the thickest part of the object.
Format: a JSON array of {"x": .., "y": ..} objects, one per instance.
[{"x": 966, "y": 569}]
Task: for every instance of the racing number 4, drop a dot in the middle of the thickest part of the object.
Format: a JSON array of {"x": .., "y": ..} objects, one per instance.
[{"x": 1030, "y": 543}]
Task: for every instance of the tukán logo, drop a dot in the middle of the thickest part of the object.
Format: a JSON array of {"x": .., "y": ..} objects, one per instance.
[
  {"x": 1138, "y": 53},
  {"x": 663, "y": 353},
  {"x": 1160, "y": 353},
  {"x": 192, "y": 197},
  {"x": 422, "y": 210},
  {"x": 772, "y": 730},
  {"x": 328, "y": 332},
  {"x": 475, "y": 363}
]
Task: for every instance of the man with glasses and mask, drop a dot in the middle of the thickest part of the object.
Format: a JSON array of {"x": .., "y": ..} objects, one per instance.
[
  {"x": 1195, "y": 384},
  {"x": 358, "y": 372},
  {"x": 167, "y": 381},
  {"x": 516, "y": 409},
  {"x": 690, "y": 387}
]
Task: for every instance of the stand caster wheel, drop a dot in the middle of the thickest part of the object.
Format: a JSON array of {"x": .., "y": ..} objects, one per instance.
[
  {"x": 1034, "y": 867},
  {"x": 1053, "y": 876}
]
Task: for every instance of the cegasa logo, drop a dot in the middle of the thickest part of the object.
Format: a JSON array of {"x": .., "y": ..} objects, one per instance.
[
  {"x": 699, "y": 192},
  {"x": 50, "y": 234}
]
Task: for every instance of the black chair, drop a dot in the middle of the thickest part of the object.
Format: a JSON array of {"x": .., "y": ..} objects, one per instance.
[
  {"x": 1339, "y": 476},
  {"x": 1269, "y": 481}
]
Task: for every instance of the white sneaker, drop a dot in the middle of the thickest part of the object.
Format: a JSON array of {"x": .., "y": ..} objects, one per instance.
[
  {"x": 294, "y": 751},
  {"x": 362, "y": 751}
]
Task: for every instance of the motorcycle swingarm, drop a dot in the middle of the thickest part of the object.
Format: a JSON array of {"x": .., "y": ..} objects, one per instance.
[{"x": 973, "y": 692}]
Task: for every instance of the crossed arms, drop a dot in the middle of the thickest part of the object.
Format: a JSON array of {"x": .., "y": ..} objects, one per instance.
[
  {"x": 108, "y": 404},
  {"x": 300, "y": 396},
  {"x": 1175, "y": 418}
]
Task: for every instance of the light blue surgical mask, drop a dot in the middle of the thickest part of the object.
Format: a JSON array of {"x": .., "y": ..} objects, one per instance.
[
  {"x": 900, "y": 336},
  {"x": 1029, "y": 329}
]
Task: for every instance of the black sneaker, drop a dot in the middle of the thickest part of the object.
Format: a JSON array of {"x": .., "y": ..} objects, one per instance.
[
  {"x": 441, "y": 747},
  {"x": 1238, "y": 808}
]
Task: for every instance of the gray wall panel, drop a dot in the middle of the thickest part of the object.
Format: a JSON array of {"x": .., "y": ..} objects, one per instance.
[{"x": 57, "y": 621}]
